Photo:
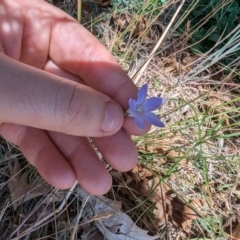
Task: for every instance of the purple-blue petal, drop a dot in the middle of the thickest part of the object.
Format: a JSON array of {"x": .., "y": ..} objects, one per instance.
[
  {"x": 152, "y": 104},
  {"x": 152, "y": 119},
  {"x": 132, "y": 104},
  {"x": 139, "y": 122},
  {"x": 142, "y": 94}
]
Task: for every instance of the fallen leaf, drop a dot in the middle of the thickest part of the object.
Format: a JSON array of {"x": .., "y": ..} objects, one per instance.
[
  {"x": 140, "y": 27},
  {"x": 188, "y": 214},
  {"x": 110, "y": 220},
  {"x": 122, "y": 20},
  {"x": 134, "y": 181},
  {"x": 92, "y": 235},
  {"x": 188, "y": 211},
  {"x": 21, "y": 190},
  {"x": 156, "y": 193},
  {"x": 87, "y": 16},
  {"x": 236, "y": 232},
  {"x": 105, "y": 3},
  {"x": 86, "y": 8},
  {"x": 186, "y": 225},
  {"x": 141, "y": 172}
]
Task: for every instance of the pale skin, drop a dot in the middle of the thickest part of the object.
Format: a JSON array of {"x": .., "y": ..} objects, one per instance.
[{"x": 58, "y": 86}]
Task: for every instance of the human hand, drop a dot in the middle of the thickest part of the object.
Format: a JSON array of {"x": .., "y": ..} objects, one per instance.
[{"x": 59, "y": 83}]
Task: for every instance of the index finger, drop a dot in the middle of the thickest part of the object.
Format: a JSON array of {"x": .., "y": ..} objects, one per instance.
[{"x": 76, "y": 50}]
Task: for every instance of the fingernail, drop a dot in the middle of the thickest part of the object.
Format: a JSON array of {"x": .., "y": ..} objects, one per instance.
[{"x": 113, "y": 117}]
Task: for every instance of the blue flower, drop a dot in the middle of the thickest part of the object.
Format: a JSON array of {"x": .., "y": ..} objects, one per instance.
[{"x": 141, "y": 108}]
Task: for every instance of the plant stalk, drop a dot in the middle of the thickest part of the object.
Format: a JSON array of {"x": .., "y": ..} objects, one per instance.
[{"x": 79, "y": 10}]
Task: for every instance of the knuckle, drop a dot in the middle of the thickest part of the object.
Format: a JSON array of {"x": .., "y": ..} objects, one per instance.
[{"x": 74, "y": 107}]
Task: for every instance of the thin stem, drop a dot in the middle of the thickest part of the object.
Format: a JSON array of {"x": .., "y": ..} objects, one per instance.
[{"x": 79, "y": 10}]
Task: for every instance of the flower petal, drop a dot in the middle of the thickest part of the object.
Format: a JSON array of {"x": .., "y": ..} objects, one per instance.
[
  {"x": 152, "y": 119},
  {"x": 132, "y": 104},
  {"x": 142, "y": 94},
  {"x": 139, "y": 122},
  {"x": 152, "y": 104}
]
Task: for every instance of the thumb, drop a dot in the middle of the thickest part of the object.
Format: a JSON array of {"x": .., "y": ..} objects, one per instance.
[{"x": 32, "y": 97}]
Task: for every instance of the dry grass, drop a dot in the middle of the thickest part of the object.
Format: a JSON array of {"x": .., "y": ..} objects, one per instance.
[{"x": 187, "y": 182}]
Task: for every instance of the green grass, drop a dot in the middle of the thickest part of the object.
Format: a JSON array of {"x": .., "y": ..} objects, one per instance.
[{"x": 194, "y": 161}]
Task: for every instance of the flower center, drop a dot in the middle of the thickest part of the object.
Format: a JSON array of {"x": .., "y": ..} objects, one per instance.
[{"x": 139, "y": 108}]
